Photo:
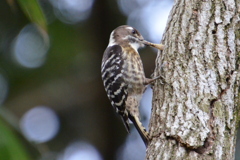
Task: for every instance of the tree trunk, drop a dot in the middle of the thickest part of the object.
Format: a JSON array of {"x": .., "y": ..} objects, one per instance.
[{"x": 194, "y": 114}]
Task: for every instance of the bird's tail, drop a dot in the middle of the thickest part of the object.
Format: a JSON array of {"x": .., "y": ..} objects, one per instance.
[
  {"x": 124, "y": 117},
  {"x": 140, "y": 128}
]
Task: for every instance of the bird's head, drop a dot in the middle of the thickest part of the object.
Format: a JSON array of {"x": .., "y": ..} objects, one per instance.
[{"x": 127, "y": 35}]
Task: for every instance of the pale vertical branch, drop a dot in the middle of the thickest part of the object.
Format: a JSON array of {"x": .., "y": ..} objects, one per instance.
[{"x": 194, "y": 115}]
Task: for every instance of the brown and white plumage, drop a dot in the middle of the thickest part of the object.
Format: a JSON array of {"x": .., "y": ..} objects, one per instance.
[{"x": 123, "y": 75}]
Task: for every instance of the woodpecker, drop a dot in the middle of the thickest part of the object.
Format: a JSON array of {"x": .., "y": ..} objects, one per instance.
[{"x": 123, "y": 75}]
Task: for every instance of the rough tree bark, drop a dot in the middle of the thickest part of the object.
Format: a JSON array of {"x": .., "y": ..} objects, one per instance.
[{"x": 194, "y": 114}]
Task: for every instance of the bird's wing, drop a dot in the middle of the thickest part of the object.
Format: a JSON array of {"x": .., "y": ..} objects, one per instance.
[{"x": 113, "y": 80}]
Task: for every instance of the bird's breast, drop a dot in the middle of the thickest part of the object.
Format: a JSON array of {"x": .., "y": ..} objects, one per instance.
[{"x": 133, "y": 73}]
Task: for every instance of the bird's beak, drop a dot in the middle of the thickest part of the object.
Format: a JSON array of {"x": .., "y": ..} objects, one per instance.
[{"x": 158, "y": 46}]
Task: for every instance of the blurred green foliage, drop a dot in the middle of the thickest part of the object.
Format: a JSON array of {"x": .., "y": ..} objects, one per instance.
[
  {"x": 11, "y": 147},
  {"x": 33, "y": 11}
]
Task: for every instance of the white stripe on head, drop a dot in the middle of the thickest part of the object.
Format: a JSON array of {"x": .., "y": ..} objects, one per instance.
[
  {"x": 126, "y": 37},
  {"x": 111, "y": 40},
  {"x": 130, "y": 28}
]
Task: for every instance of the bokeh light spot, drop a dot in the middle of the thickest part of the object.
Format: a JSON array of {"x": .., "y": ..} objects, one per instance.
[
  {"x": 148, "y": 16},
  {"x": 40, "y": 124},
  {"x": 155, "y": 19},
  {"x": 133, "y": 148},
  {"x": 72, "y": 11},
  {"x": 30, "y": 46},
  {"x": 128, "y": 6},
  {"x": 80, "y": 151}
]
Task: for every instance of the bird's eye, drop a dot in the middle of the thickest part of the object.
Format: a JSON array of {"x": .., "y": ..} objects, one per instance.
[{"x": 134, "y": 31}]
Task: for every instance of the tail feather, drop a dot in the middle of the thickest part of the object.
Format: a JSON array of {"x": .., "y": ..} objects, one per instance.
[
  {"x": 124, "y": 117},
  {"x": 126, "y": 124},
  {"x": 141, "y": 130}
]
